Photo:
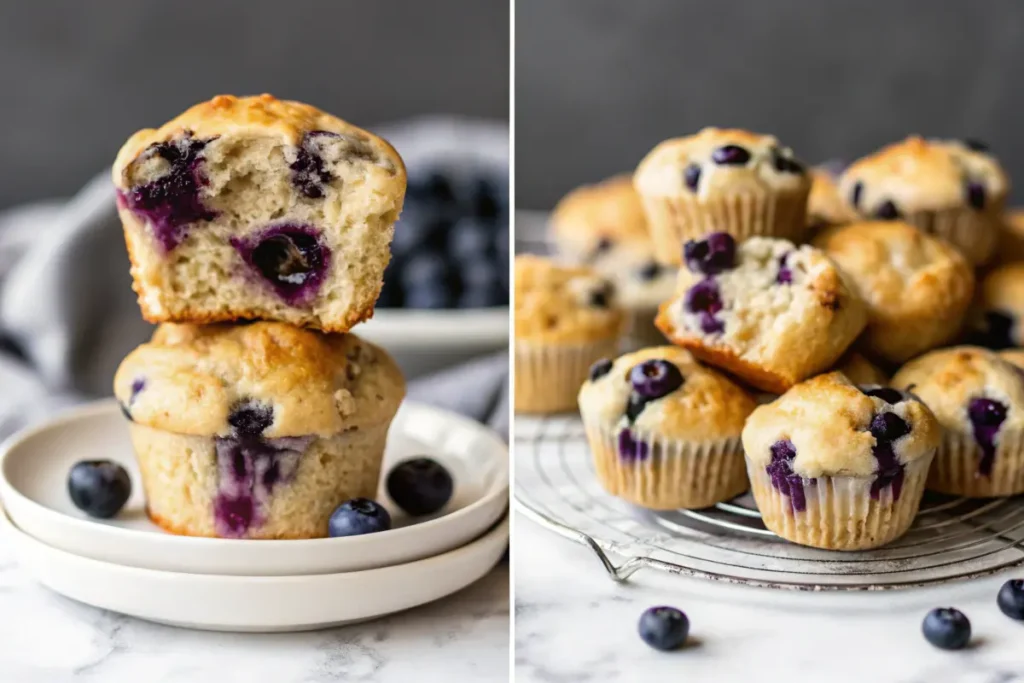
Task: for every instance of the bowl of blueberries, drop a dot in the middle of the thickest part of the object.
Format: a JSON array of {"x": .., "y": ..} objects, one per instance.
[{"x": 446, "y": 290}]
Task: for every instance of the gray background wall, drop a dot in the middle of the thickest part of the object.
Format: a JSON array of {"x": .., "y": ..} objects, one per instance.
[
  {"x": 599, "y": 82},
  {"x": 78, "y": 77}
]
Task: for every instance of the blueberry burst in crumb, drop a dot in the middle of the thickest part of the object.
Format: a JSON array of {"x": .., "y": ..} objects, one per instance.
[
  {"x": 651, "y": 380},
  {"x": 292, "y": 259}
]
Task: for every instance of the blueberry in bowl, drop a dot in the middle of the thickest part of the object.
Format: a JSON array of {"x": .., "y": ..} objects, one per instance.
[
  {"x": 99, "y": 488},
  {"x": 420, "y": 486}
]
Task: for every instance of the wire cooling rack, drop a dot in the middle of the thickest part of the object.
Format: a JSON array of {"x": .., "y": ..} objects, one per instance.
[{"x": 556, "y": 486}]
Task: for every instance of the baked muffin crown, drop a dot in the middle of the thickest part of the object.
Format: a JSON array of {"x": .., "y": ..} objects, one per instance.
[
  {"x": 559, "y": 304},
  {"x": 263, "y": 379},
  {"x": 918, "y": 175},
  {"x": 227, "y": 116},
  {"x": 966, "y": 386},
  {"x": 720, "y": 161},
  {"x": 825, "y": 204},
  {"x": 859, "y": 370},
  {"x": 593, "y": 219},
  {"x": 705, "y": 406},
  {"x": 834, "y": 427}
]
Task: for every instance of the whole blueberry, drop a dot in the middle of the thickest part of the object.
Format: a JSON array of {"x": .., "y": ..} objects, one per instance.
[
  {"x": 703, "y": 296},
  {"x": 947, "y": 628},
  {"x": 664, "y": 628},
  {"x": 855, "y": 194},
  {"x": 887, "y": 211},
  {"x": 358, "y": 516},
  {"x": 975, "y": 195},
  {"x": 730, "y": 155},
  {"x": 655, "y": 378},
  {"x": 600, "y": 369},
  {"x": 887, "y": 394},
  {"x": 711, "y": 255},
  {"x": 487, "y": 199},
  {"x": 1011, "y": 599},
  {"x": 785, "y": 274},
  {"x": 99, "y": 488},
  {"x": 889, "y": 427},
  {"x": 691, "y": 176},
  {"x": 420, "y": 486}
]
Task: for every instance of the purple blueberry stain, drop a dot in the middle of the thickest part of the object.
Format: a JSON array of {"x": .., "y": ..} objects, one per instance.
[
  {"x": 292, "y": 259},
  {"x": 785, "y": 274},
  {"x": 887, "y": 428},
  {"x": 704, "y": 300},
  {"x": 632, "y": 449},
  {"x": 138, "y": 384},
  {"x": 691, "y": 176},
  {"x": 172, "y": 202},
  {"x": 711, "y": 255},
  {"x": 986, "y": 416},
  {"x": 730, "y": 155},
  {"x": 649, "y": 381},
  {"x": 784, "y": 479},
  {"x": 309, "y": 172}
]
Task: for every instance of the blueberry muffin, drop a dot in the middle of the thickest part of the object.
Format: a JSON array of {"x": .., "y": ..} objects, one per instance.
[
  {"x": 999, "y": 309},
  {"x": 256, "y": 208},
  {"x": 767, "y": 311},
  {"x": 838, "y": 466},
  {"x": 603, "y": 225},
  {"x": 256, "y": 431},
  {"x": 729, "y": 181},
  {"x": 978, "y": 398},
  {"x": 860, "y": 370},
  {"x": 664, "y": 430},
  {"x": 826, "y": 205},
  {"x": 951, "y": 189},
  {"x": 1011, "y": 237},
  {"x": 566, "y": 317},
  {"x": 917, "y": 288}
]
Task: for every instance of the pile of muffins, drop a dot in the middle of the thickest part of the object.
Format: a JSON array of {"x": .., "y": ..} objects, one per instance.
[
  {"x": 258, "y": 232},
  {"x": 824, "y": 341}
]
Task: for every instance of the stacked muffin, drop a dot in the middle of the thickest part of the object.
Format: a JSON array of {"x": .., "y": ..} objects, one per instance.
[
  {"x": 258, "y": 232},
  {"x": 808, "y": 291}
]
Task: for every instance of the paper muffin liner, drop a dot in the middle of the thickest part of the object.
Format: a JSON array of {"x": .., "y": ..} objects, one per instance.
[
  {"x": 641, "y": 331},
  {"x": 974, "y": 234},
  {"x": 840, "y": 513},
  {"x": 956, "y": 466},
  {"x": 672, "y": 474},
  {"x": 548, "y": 377},
  {"x": 674, "y": 220}
]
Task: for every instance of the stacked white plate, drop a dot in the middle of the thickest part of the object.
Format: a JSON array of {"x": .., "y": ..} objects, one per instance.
[{"x": 129, "y": 565}]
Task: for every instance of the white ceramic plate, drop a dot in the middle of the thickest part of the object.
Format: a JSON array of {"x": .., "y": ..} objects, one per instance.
[
  {"x": 256, "y": 603},
  {"x": 35, "y": 463}
]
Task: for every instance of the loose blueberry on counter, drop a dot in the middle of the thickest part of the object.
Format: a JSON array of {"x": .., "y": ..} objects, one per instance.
[
  {"x": 99, "y": 488},
  {"x": 1011, "y": 599},
  {"x": 986, "y": 416},
  {"x": 784, "y": 479},
  {"x": 357, "y": 517},
  {"x": 947, "y": 628},
  {"x": 664, "y": 628},
  {"x": 976, "y": 195},
  {"x": 887, "y": 211},
  {"x": 711, "y": 255},
  {"x": 730, "y": 155},
  {"x": 691, "y": 176},
  {"x": 420, "y": 486},
  {"x": 600, "y": 369},
  {"x": 855, "y": 194},
  {"x": 171, "y": 202}
]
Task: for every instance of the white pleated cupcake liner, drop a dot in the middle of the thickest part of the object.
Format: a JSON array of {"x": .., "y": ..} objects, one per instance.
[
  {"x": 973, "y": 233},
  {"x": 674, "y": 220},
  {"x": 955, "y": 471},
  {"x": 674, "y": 474},
  {"x": 548, "y": 377},
  {"x": 840, "y": 513}
]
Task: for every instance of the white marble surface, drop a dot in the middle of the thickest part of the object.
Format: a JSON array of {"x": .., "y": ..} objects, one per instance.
[
  {"x": 45, "y": 638},
  {"x": 574, "y": 624}
]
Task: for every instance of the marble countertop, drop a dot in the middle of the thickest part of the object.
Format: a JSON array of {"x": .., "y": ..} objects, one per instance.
[
  {"x": 574, "y": 624},
  {"x": 45, "y": 638}
]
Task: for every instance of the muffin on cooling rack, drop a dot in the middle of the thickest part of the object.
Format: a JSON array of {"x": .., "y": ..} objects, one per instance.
[
  {"x": 256, "y": 431},
  {"x": 720, "y": 180},
  {"x": 664, "y": 430},
  {"x": 767, "y": 311},
  {"x": 826, "y": 205},
  {"x": 565, "y": 319},
  {"x": 917, "y": 288},
  {"x": 954, "y": 190},
  {"x": 603, "y": 225},
  {"x": 837, "y": 466},
  {"x": 979, "y": 399},
  {"x": 999, "y": 308},
  {"x": 256, "y": 208},
  {"x": 860, "y": 370}
]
